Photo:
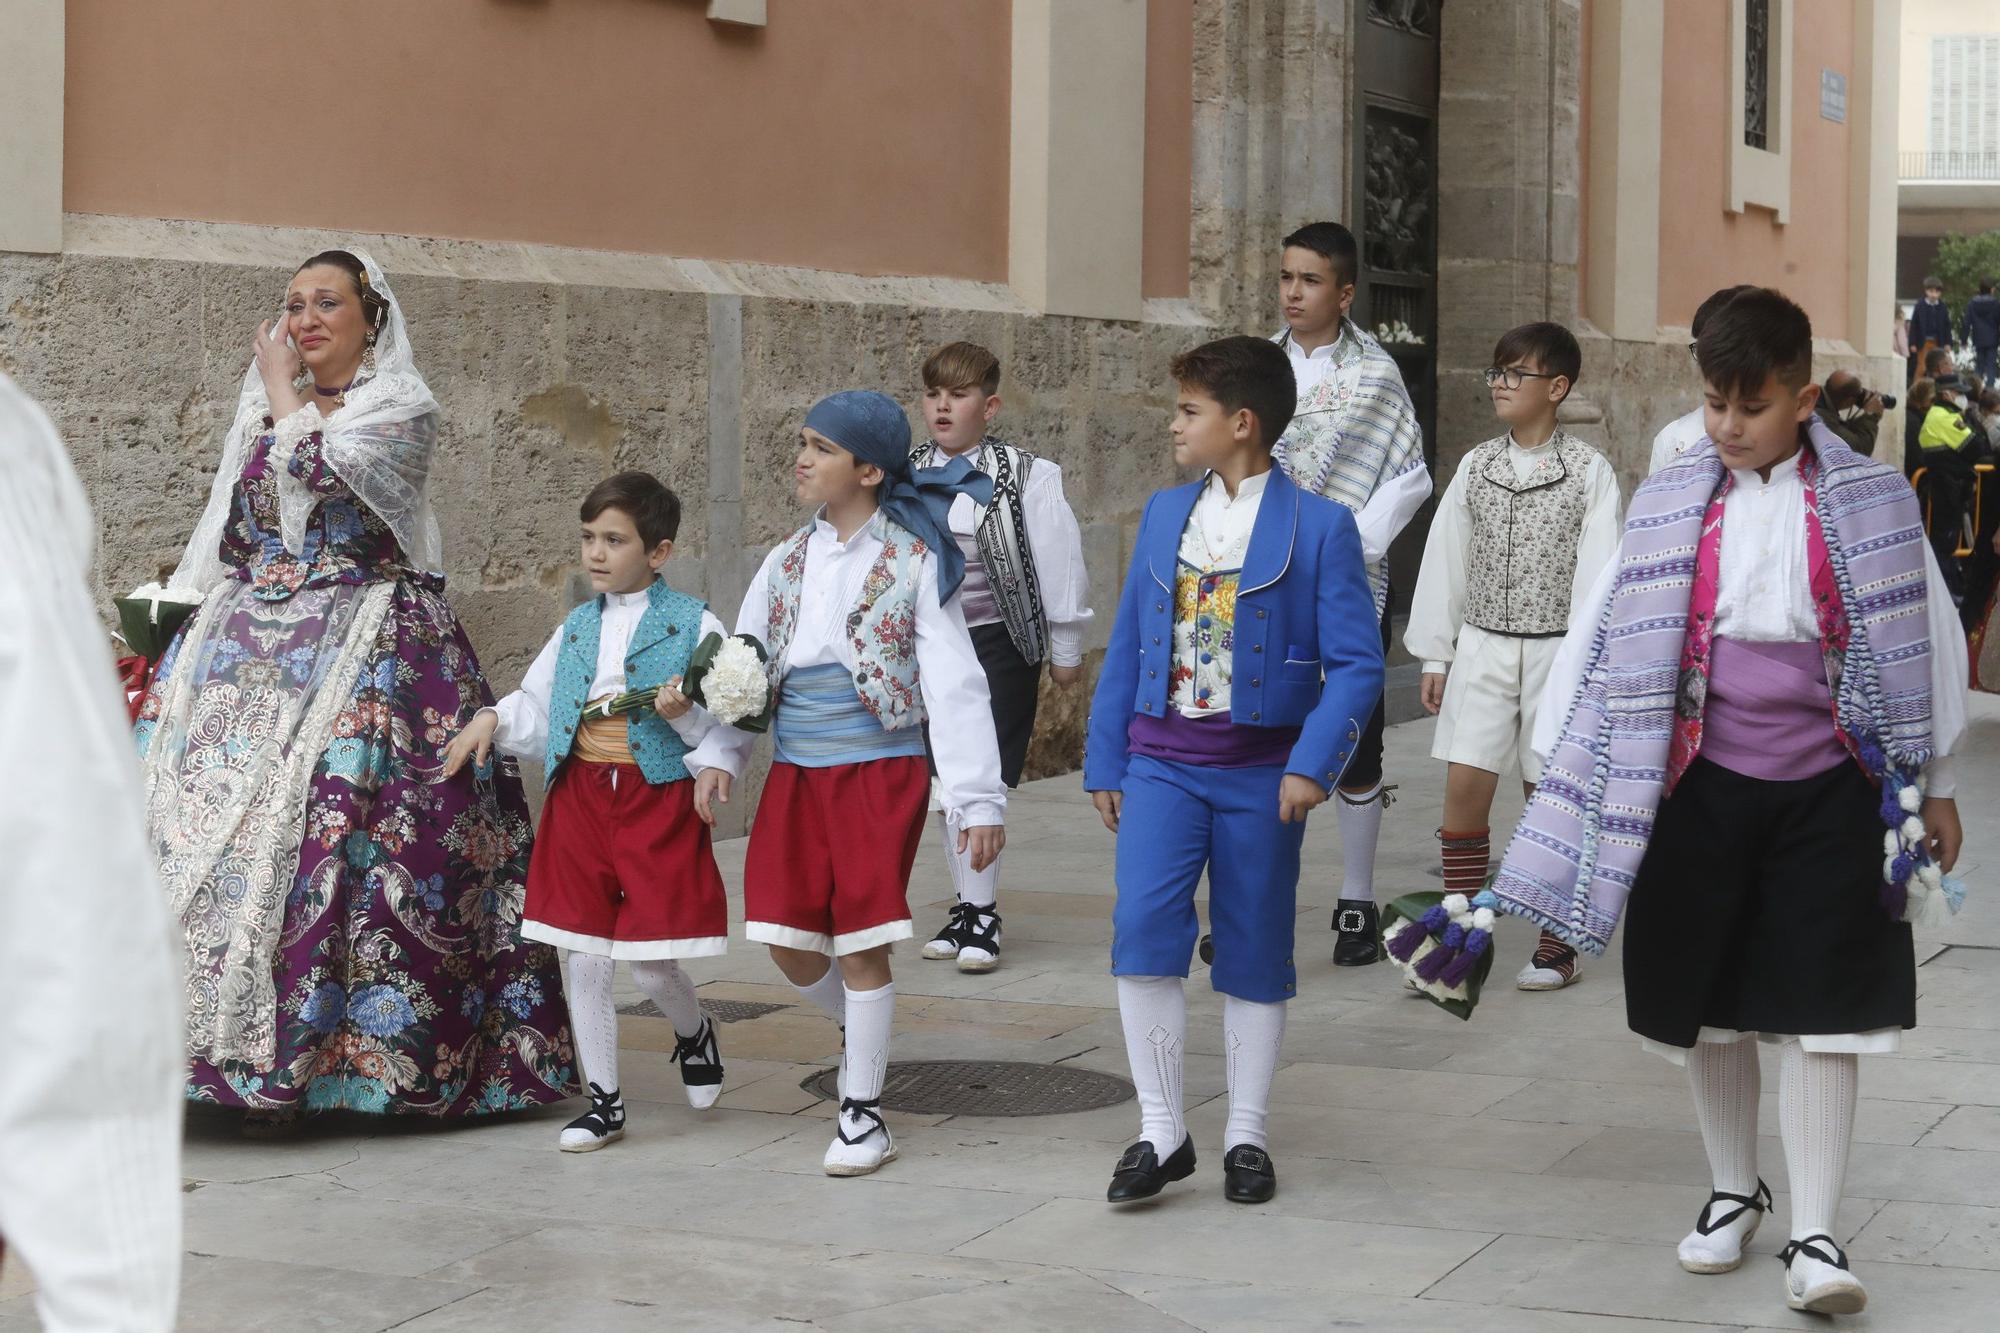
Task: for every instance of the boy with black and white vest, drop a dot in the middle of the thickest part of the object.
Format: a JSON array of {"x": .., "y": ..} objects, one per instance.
[
  {"x": 1528, "y": 520},
  {"x": 1025, "y": 598}
]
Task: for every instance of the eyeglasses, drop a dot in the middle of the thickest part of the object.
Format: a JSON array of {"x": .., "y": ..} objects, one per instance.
[{"x": 1512, "y": 376}]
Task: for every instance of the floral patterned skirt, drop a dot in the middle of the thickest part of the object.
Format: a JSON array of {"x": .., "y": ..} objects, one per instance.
[{"x": 403, "y": 985}]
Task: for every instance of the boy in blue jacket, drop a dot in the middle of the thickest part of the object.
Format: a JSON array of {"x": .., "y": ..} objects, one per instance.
[{"x": 1243, "y": 665}]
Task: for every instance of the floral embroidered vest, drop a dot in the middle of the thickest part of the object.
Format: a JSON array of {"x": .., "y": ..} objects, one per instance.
[
  {"x": 661, "y": 646},
  {"x": 881, "y": 629}
]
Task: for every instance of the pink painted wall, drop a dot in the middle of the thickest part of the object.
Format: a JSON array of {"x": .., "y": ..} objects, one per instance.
[
  {"x": 861, "y": 135},
  {"x": 1702, "y": 245}
]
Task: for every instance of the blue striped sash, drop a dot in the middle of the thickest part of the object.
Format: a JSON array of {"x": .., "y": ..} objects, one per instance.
[{"x": 822, "y": 722}]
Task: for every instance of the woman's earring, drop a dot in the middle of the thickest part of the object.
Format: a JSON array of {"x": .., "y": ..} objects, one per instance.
[{"x": 368, "y": 358}]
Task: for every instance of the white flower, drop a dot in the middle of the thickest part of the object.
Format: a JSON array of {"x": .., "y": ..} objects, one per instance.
[
  {"x": 735, "y": 686},
  {"x": 157, "y": 593},
  {"x": 1456, "y": 904},
  {"x": 1910, "y": 799}
]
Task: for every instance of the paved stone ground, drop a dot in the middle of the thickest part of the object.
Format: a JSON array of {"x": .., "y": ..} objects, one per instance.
[{"x": 1529, "y": 1170}]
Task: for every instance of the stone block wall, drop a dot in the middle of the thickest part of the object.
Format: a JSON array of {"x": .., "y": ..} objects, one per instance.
[{"x": 549, "y": 386}]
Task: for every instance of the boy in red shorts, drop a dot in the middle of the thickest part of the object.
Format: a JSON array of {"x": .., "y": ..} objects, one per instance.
[
  {"x": 622, "y": 868},
  {"x": 860, "y": 612}
]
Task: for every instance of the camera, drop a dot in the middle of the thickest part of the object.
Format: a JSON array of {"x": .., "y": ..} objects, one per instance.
[{"x": 1888, "y": 399}]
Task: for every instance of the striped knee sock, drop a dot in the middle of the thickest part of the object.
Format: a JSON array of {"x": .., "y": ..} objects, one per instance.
[{"x": 1467, "y": 856}]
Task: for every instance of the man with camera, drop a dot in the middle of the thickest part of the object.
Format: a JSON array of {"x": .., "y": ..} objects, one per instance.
[{"x": 1853, "y": 412}]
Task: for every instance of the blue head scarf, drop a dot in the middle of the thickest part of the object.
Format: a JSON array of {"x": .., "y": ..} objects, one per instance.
[{"x": 872, "y": 427}]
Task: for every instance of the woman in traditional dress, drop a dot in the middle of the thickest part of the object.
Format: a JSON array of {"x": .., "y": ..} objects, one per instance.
[{"x": 351, "y": 919}]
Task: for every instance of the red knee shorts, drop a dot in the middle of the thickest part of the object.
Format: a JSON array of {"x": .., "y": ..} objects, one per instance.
[
  {"x": 623, "y": 868},
  {"x": 828, "y": 867}
]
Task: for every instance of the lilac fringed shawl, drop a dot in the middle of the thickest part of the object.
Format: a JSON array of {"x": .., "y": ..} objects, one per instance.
[{"x": 1570, "y": 864}]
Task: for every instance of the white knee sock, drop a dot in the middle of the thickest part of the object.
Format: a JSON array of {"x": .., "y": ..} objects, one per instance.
[
  {"x": 1154, "y": 1011},
  {"x": 978, "y": 887},
  {"x": 1816, "y": 1092},
  {"x": 870, "y": 1014},
  {"x": 593, "y": 1017},
  {"x": 664, "y": 983},
  {"x": 829, "y": 993},
  {"x": 1724, "y": 1077},
  {"x": 1251, "y": 1035},
  {"x": 1360, "y": 830}
]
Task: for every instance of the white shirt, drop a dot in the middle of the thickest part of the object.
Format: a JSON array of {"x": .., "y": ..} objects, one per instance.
[
  {"x": 1056, "y": 542},
  {"x": 1437, "y": 611},
  {"x": 523, "y": 729},
  {"x": 1216, "y": 537},
  {"x": 952, "y": 682},
  {"x": 1676, "y": 438},
  {"x": 1396, "y": 501},
  {"x": 90, "y": 1001},
  {"x": 1764, "y": 594}
]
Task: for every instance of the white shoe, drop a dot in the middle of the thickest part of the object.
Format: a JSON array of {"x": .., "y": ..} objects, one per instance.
[
  {"x": 979, "y": 940},
  {"x": 1723, "y": 1230},
  {"x": 951, "y": 937},
  {"x": 599, "y": 1127},
  {"x": 861, "y": 1141},
  {"x": 1554, "y": 966},
  {"x": 701, "y": 1065},
  {"x": 1817, "y": 1280}
]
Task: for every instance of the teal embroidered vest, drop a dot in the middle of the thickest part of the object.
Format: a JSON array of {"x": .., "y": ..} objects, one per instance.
[
  {"x": 881, "y": 629},
  {"x": 666, "y": 638}
]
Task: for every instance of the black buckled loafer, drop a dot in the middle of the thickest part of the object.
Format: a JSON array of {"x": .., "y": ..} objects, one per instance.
[
  {"x": 1140, "y": 1174},
  {"x": 1357, "y": 934},
  {"x": 1247, "y": 1175}
]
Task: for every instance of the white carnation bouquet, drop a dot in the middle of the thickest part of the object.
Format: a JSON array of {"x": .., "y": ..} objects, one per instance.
[{"x": 725, "y": 675}]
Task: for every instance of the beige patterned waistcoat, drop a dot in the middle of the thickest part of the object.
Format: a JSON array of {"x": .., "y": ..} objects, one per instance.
[{"x": 1522, "y": 559}]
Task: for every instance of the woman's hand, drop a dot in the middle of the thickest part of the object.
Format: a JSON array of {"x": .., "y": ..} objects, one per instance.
[{"x": 279, "y": 365}]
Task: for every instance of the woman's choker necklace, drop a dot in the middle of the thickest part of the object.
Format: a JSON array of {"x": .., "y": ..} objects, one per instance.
[{"x": 335, "y": 393}]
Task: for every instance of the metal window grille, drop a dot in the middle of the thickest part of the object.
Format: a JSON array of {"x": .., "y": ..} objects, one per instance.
[{"x": 1757, "y": 74}]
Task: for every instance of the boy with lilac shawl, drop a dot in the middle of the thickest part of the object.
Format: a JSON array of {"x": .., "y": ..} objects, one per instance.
[{"x": 1752, "y": 758}]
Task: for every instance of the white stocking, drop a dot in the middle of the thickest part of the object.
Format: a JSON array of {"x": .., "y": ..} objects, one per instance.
[
  {"x": 1360, "y": 830},
  {"x": 977, "y": 887},
  {"x": 1154, "y": 1012},
  {"x": 1816, "y": 1092},
  {"x": 1724, "y": 1077},
  {"x": 870, "y": 1015},
  {"x": 1251, "y": 1036},
  {"x": 663, "y": 982},
  {"x": 829, "y": 993},
  {"x": 593, "y": 1017}
]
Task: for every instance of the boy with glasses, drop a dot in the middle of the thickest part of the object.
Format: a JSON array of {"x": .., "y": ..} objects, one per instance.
[{"x": 1528, "y": 520}]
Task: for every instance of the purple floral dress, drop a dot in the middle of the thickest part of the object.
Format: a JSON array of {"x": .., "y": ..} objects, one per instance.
[{"x": 401, "y": 981}]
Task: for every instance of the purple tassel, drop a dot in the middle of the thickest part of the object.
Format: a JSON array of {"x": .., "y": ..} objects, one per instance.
[
  {"x": 1435, "y": 920},
  {"x": 1895, "y": 900},
  {"x": 1431, "y": 964},
  {"x": 1900, "y": 868},
  {"x": 1453, "y": 937},
  {"x": 1892, "y": 806},
  {"x": 1459, "y": 969},
  {"x": 1404, "y": 943},
  {"x": 1476, "y": 941}
]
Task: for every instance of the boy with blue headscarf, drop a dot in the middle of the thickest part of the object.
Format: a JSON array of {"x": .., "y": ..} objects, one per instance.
[{"x": 859, "y": 611}]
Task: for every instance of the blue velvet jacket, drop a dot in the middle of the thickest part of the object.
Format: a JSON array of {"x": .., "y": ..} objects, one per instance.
[{"x": 1308, "y": 645}]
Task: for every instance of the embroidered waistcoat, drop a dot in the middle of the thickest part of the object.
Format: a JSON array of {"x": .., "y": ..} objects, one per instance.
[
  {"x": 1522, "y": 559},
  {"x": 1002, "y": 535},
  {"x": 881, "y": 629},
  {"x": 666, "y": 638}
]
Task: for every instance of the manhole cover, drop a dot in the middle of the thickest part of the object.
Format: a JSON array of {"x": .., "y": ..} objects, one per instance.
[
  {"x": 722, "y": 1011},
  {"x": 987, "y": 1087}
]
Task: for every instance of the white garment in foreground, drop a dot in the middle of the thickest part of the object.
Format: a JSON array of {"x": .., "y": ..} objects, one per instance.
[
  {"x": 1676, "y": 438},
  {"x": 949, "y": 676},
  {"x": 90, "y": 1034}
]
